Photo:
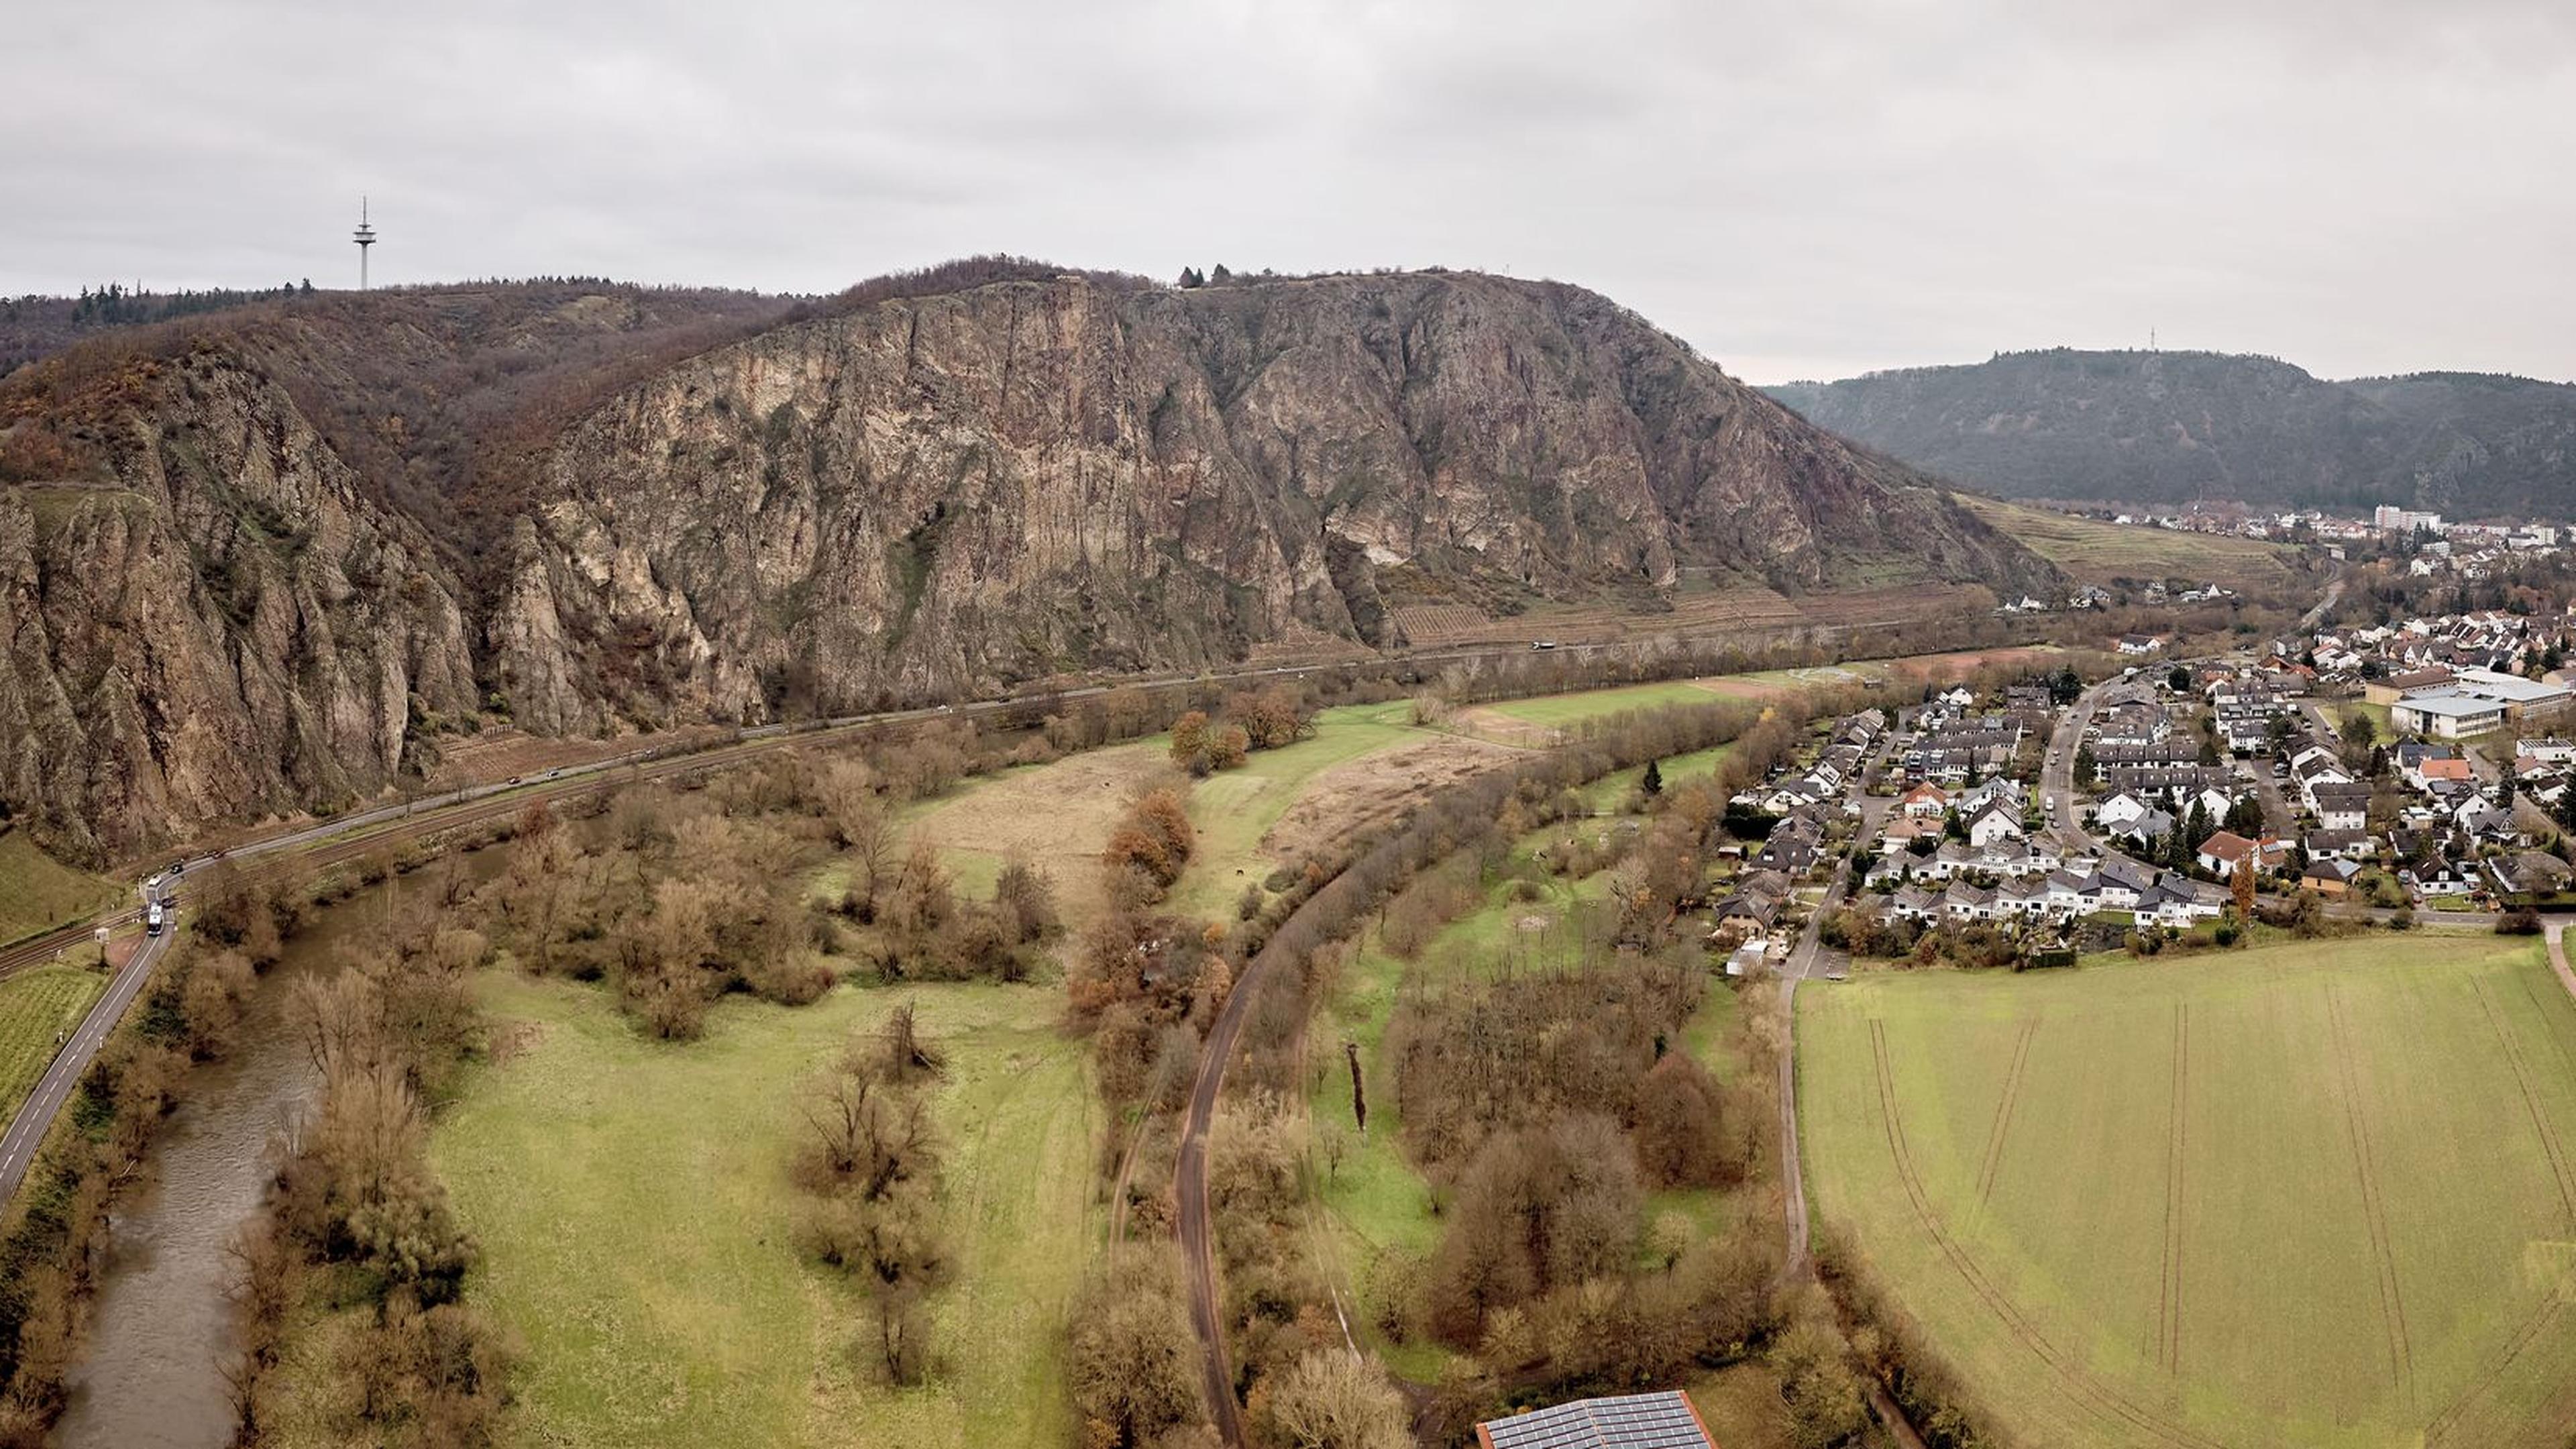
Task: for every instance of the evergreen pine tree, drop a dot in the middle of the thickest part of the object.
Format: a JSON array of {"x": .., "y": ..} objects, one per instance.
[{"x": 1652, "y": 782}]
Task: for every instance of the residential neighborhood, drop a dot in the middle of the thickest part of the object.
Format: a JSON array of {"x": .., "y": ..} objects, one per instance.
[{"x": 2391, "y": 770}]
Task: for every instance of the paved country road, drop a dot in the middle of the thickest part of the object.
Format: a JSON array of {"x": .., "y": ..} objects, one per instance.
[
  {"x": 27, "y": 1130},
  {"x": 1198, "y": 1249}
]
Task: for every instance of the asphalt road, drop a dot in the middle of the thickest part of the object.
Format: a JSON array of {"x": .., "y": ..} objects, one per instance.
[
  {"x": 1793, "y": 1175},
  {"x": 2057, "y": 778},
  {"x": 27, "y": 1130},
  {"x": 1198, "y": 1251}
]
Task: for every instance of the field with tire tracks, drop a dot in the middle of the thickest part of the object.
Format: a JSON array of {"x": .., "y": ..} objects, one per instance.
[{"x": 2314, "y": 1194}]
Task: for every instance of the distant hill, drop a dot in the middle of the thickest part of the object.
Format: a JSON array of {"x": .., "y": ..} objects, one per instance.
[{"x": 2156, "y": 427}]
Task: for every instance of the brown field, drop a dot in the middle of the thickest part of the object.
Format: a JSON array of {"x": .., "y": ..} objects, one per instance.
[
  {"x": 1304, "y": 644},
  {"x": 1057, "y": 815},
  {"x": 2091, "y": 550},
  {"x": 1913, "y": 669},
  {"x": 1749, "y": 607},
  {"x": 1372, "y": 790},
  {"x": 1484, "y": 722},
  {"x": 506, "y": 754}
]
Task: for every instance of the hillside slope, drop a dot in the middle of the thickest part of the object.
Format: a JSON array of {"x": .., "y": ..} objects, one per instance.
[
  {"x": 2154, "y": 427},
  {"x": 264, "y": 565}
]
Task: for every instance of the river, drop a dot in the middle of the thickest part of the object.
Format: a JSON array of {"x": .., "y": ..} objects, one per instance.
[{"x": 163, "y": 1323}]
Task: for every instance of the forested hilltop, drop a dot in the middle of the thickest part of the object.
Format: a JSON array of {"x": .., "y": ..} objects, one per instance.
[{"x": 2158, "y": 427}]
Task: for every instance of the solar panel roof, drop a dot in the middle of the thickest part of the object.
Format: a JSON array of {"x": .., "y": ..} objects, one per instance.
[{"x": 1635, "y": 1421}]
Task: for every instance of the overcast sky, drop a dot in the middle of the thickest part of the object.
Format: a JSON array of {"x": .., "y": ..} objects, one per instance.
[{"x": 1801, "y": 189}]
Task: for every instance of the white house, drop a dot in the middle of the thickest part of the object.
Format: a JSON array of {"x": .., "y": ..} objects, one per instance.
[
  {"x": 1995, "y": 823},
  {"x": 2066, "y": 893},
  {"x": 2547, "y": 752},
  {"x": 1965, "y": 902},
  {"x": 2341, "y": 807},
  {"x": 2121, "y": 811}
]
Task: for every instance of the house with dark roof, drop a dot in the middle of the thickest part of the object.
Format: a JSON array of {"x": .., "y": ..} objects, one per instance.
[
  {"x": 2171, "y": 902},
  {"x": 1790, "y": 848},
  {"x": 2534, "y": 872},
  {"x": 1996, "y": 823},
  {"x": 1912, "y": 903},
  {"x": 2341, "y": 807},
  {"x": 1965, "y": 902}
]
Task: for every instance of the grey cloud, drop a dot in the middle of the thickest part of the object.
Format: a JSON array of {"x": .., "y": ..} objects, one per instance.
[{"x": 1810, "y": 189}]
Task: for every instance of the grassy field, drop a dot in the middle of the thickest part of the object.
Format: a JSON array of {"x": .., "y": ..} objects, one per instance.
[
  {"x": 2383, "y": 729},
  {"x": 38, "y": 893},
  {"x": 1559, "y": 710},
  {"x": 2313, "y": 1194},
  {"x": 34, "y": 1005},
  {"x": 2091, "y": 551},
  {"x": 1333, "y": 781},
  {"x": 1535, "y": 721},
  {"x": 634, "y": 1207},
  {"x": 1611, "y": 789},
  {"x": 1057, "y": 815}
]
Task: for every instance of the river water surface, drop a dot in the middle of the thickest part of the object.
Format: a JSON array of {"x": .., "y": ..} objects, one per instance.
[{"x": 163, "y": 1323}]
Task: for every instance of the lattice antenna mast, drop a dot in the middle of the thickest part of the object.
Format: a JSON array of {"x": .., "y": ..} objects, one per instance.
[{"x": 366, "y": 237}]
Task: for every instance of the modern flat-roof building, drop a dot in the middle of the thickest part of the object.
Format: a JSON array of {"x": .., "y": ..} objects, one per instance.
[
  {"x": 1630, "y": 1421},
  {"x": 2447, "y": 714},
  {"x": 2518, "y": 695}
]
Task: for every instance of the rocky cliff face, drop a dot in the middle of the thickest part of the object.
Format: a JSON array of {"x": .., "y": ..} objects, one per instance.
[
  {"x": 216, "y": 616},
  {"x": 957, "y": 492},
  {"x": 217, "y": 629}
]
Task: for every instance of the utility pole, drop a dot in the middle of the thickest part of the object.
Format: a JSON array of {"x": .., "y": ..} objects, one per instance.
[{"x": 365, "y": 237}]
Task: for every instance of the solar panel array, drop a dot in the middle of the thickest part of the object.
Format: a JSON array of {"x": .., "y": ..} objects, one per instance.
[{"x": 1637, "y": 1421}]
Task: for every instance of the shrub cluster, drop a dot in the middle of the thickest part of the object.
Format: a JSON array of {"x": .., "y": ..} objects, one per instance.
[{"x": 873, "y": 1162}]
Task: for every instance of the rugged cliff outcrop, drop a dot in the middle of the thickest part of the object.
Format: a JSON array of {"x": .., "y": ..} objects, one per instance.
[
  {"x": 218, "y": 628},
  {"x": 959, "y": 491},
  {"x": 259, "y": 569}
]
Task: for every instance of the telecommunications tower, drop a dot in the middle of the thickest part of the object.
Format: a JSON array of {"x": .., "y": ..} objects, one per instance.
[{"x": 366, "y": 237}]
